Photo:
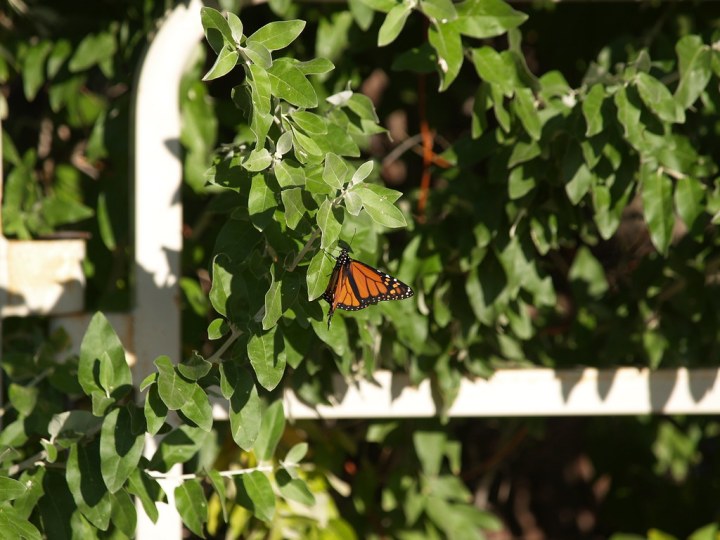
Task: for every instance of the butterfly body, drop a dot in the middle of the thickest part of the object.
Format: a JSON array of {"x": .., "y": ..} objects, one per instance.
[{"x": 355, "y": 285}]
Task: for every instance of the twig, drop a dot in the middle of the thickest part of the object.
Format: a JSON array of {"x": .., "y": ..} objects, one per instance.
[
  {"x": 314, "y": 236},
  {"x": 235, "y": 333},
  {"x": 191, "y": 476},
  {"x": 15, "y": 469}
]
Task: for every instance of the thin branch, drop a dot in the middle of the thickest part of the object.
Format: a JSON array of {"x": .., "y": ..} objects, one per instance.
[
  {"x": 235, "y": 333},
  {"x": 401, "y": 148},
  {"x": 19, "y": 467},
  {"x": 308, "y": 245},
  {"x": 191, "y": 476}
]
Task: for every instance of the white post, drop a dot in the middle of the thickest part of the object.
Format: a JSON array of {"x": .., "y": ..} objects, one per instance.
[{"x": 158, "y": 215}]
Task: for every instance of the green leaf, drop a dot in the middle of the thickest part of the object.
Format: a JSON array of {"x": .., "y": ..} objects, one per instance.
[
  {"x": 353, "y": 203},
  {"x": 124, "y": 515},
  {"x": 438, "y": 9},
  {"x": 430, "y": 449},
  {"x": 261, "y": 197},
  {"x": 236, "y": 26},
  {"x": 105, "y": 223},
  {"x": 226, "y": 386},
  {"x": 266, "y": 358},
  {"x": 191, "y": 504},
  {"x": 198, "y": 409},
  {"x": 284, "y": 144},
  {"x": 10, "y": 489},
  {"x": 502, "y": 116},
  {"x": 362, "y": 14},
  {"x": 656, "y": 191},
  {"x": 523, "y": 151},
  {"x": 695, "y": 61},
  {"x": 520, "y": 182},
  {"x": 33, "y": 72},
  {"x": 588, "y": 273},
  {"x": 380, "y": 208},
  {"x": 306, "y": 146},
  {"x": 255, "y": 493},
  {"x": 575, "y": 174},
  {"x": 658, "y": 98},
  {"x": 445, "y": 39},
  {"x": 70, "y": 426},
  {"x": 155, "y": 410},
  {"x": 333, "y": 35},
  {"x": 272, "y": 428},
  {"x": 261, "y": 91},
  {"x": 13, "y": 525},
  {"x": 309, "y": 122},
  {"x": 172, "y": 388},
  {"x": 335, "y": 171},
  {"x": 147, "y": 490},
  {"x": 609, "y": 203},
  {"x": 256, "y": 161},
  {"x": 485, "y": 287},
  {"x": 178, "y": 446},
  {"x": 84, "y": 478},
  {"x": 393, "y": 24},
  {"x": 273, "y": 305},
  {"x": 23, "y": 398},
  {"x": 92, "y": 50},
  {"x": 258, "y": 55},
  {"x": 296, "y": 454},
  {"x": 224, "y": 63},
  {"x": 289, "y": 173},
  {"x": 219, "y": 485},
  {"x": 32, "y": 482},
  {"x": 295, "y": 209},
  {"x": 493, "y": 68},
  {"x": 195, "y": 367},
  {"x": 629, "y": 116},
  {"x": 591, "y": 107},
  {"x": 61, "y": 51},
  {"x": 277, "y": 35},
  {"x": 56, "y": 505},
  {"x": 329, "y": 225},
  {"x": 524, "y": 107},
  {"x": 59, "y": 209},
  {"x": 245, "y": 410},
  {"x": 317, "y": 275},
  {"x": 294, "y": 489},
  {"x": 121, "y": 447},
  {"x": 708, "y": 532},
  {"x": 689, "y": 200},
  {"x": 289, "y": 83},
  {"x": 418, "y": 59},
  {"x": 380, "y": 5},
  {"x": 316, "y": 66},
  {"x": 221, "y": 288},
  {"x": 363, "y": 171},
  {"x": 486, "y": 18},
  {"x": 100, "y": 345},
  {"x": 212, "y": 18}
]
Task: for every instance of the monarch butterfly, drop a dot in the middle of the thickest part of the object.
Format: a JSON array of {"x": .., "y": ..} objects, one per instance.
[{"x": 354, "y": 285}]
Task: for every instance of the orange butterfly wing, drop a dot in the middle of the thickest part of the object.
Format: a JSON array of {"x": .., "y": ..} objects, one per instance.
[{"x": 355, "y": 285}]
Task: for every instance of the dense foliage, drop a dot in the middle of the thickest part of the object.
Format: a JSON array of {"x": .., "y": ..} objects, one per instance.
[{"x": 565, "y": 214}]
